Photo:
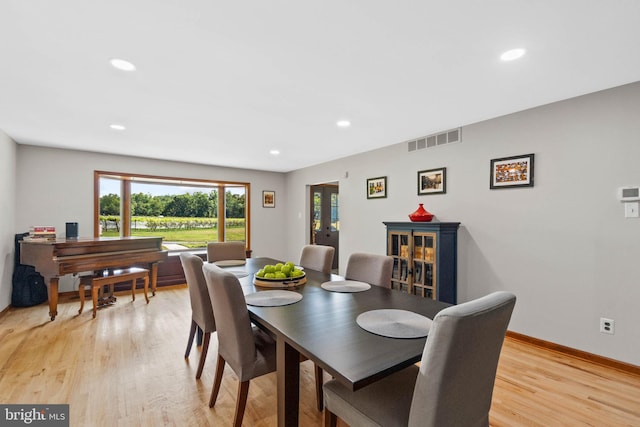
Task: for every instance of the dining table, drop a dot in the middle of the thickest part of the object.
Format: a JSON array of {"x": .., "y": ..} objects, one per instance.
[{"x": 322, "y": 326}]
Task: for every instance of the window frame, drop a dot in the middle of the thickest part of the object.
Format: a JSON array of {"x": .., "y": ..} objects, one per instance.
[{"x": 125, "y": 198}]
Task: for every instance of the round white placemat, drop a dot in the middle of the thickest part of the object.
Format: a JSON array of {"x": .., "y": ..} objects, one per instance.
[
  {"x": 273, "y": 298},
  {"x": 229, "y": 262},
  {"x": 394, "y": 323},
  {"x": 345, "y": 286}
]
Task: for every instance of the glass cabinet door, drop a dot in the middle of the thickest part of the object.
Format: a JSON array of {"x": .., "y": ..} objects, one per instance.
[
  {"x": 424, "y": 265},
  {"x": 399, "y": 249}
]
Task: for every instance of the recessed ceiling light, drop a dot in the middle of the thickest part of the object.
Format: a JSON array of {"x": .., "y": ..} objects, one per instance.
[
  {"x": 274, "y": 152},
  {"x": 512, "y": 54},
  {"x": 123, "y": 65},
  {"x": 116, "y": 126},
  {"x": 343, "y": 123}
]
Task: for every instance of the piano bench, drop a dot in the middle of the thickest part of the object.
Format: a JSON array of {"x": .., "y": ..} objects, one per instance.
[{"x": 111, "y": 277}]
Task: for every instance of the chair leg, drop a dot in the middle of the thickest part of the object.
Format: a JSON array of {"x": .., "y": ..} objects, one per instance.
[
  {"x": 192, "y": 334},
  {"x": 330, "y": 419},
  {"x": 241, "y": 403},
  {"x": 217, "y": 381},
  {"x": 133, "y": 289},
  {"x": 319, "y": 396},
  {"x": 203, "y": 355}
]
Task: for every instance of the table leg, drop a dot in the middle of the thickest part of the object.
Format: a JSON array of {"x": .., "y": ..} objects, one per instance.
[
  {"x": 288, "y": 363},
  {"x": 199, "y": 336},
  {"x": 52, "y": 295}
]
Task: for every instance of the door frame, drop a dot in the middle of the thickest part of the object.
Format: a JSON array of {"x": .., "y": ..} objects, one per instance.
[{"x": 311, "y": 229}]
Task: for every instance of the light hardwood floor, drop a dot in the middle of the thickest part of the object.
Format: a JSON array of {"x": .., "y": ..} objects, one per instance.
[{"x": 126, "y": 368}]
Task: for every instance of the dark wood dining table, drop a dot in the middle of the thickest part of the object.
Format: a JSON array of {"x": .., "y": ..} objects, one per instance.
[{"x": 322, "y": 326}]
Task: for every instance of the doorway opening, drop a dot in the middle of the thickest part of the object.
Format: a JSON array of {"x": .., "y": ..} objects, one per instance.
[{"x": 325, "y": 219}]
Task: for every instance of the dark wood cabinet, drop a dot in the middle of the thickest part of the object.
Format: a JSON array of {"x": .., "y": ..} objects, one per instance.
[{"x": 425, "y": 258}]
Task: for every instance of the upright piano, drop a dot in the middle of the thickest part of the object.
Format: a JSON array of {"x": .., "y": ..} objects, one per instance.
[{"x": 56, "y": 258}]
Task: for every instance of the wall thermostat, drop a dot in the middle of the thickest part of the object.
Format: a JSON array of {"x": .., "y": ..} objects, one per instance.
[{"x": 629, "y": 194}]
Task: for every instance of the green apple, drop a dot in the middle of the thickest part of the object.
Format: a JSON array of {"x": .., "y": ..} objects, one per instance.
[
  {"x": 269, "y": 268},
  {"x": 260, "y": 273},
  {"x": 270, "y": 275},
  {"x": 286, "y": 269}
]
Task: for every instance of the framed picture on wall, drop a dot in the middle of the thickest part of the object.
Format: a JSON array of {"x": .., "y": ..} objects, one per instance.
[
  {"x": 432, "y": 181},
  {"x": 268, "y": 199},
  {"x": 377, "y": 187},
  {"x": 510, "y": 172}
]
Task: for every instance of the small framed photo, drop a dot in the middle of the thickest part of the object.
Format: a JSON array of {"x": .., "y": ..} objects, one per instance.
[
  {"x": 268, "y": 199},
  {"x": 509, "y": 172},
  {"x": 432, "y": 181},
  {"x": 377, "y": 187}
]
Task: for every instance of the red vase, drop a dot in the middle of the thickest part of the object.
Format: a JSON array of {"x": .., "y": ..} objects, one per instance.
[{"x": 421, "y": 215}]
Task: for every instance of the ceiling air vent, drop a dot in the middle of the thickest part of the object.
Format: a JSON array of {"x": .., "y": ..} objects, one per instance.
[{"x": 434, "y": 140}]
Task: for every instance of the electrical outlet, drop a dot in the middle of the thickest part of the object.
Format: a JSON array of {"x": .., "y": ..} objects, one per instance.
[{"x": 607, "y": 326}]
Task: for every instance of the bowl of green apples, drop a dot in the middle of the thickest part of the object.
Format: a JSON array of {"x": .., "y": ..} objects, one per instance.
[{"x": 285, "y": 274}]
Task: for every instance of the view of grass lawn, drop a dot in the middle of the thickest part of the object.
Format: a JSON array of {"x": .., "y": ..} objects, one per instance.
[{"x": 197, "y": 238}]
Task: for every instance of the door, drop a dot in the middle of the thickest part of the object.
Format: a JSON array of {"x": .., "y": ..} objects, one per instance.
[{"x": 325, "y": 222}]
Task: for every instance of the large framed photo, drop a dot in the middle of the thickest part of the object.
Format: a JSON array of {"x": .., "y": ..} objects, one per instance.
[
  {"x": 268, "y": 199},
  {"x": 432, "y": 181},
  {"x": 510, "y": 172},
  {"x": 377, "y": 187}
]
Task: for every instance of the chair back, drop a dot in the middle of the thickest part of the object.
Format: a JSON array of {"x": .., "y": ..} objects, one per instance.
[
  {"x": 370, "y": 268},
  {"x": 317, "y": 257},
  {"x": 235, "y": 337},
  {"x": 458, "y": 369},
  {"x": 219, "y": 251},
  {"x": 201, "y": 309}
]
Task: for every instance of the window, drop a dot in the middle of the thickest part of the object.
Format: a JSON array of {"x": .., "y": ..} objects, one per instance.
[{"x": 187, "y": 213}]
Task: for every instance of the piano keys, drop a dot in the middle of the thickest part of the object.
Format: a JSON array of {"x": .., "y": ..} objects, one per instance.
[{"x": 53, "y": 259}]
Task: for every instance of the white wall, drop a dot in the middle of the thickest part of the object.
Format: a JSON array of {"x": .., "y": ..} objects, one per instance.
[
  {"x": 55, "y": 186},
  {"x": 563, "y": 247},
  {"x": 7, "y": 216}
]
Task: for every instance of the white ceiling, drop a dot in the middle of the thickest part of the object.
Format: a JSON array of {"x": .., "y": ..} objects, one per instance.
[{"x": 224, "y": 82}]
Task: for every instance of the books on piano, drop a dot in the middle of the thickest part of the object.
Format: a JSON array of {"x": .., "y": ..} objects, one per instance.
[{"x": 41, "y": 232}]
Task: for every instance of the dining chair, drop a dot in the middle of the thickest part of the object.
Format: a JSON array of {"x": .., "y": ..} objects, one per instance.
[
  {"x": 317, "y": 257},
  {"x": 201, "y": 309},
  {"x": 453, "y": 385},
  {"x": 370, "y": 268},
  {"x": 249, "y": 351},
  {"x": 219, "y": 251}
]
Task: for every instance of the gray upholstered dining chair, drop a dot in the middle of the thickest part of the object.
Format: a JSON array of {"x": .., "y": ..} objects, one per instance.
[
  {"x": 453, "y": 385},
  {"x": 219, "y": 251},
  {"x": 317, "y": 257},
  {"x": 370, "y": 268},
  {"x": 249, "y": 351},
  {"x": 201, "y": 309}
]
